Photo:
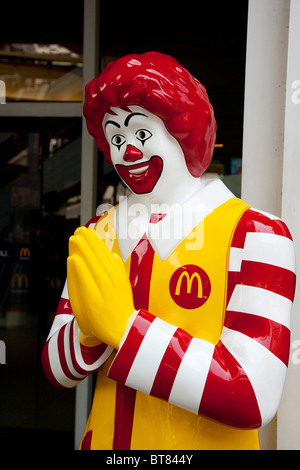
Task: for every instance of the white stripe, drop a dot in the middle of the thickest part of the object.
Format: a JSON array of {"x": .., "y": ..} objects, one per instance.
[
  {"x": 56, "y": 366},
  {"x": 267, "y": 248},
  {"x": 67, "y": 348},
  {"x": 65, "y": 292},
  {"x": 271, "y": 249},
  {"x": 78, "y": 355},
  {"x": 149, "y": 355},
  {"x": 261, "y": 302},
  {"x": 59, "y": 321},
  {"x": 264, "y": 370},
  {"x": 189, "y": 383},
  {"x": 267, "y": 214},
  {"x": 235, "y": 259},
  {"x": 128, "y": 327}
]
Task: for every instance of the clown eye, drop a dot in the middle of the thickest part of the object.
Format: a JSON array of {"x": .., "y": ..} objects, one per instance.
[
  {"x": 118, "y": 140},
  {"x": 142, "y": 135}
]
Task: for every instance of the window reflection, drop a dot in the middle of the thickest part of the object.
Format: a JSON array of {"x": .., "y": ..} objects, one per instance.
[
  {"x": 40, "y": 72},
  {"x": 40, "y": 206},
  {"x": 41, "y": 51}
]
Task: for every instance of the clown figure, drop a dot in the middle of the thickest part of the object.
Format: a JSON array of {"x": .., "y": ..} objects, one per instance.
[{"x": 180, "y": 296}]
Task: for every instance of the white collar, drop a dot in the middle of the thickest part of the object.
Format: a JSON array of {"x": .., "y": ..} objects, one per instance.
[{"x": 131, "y": 219}]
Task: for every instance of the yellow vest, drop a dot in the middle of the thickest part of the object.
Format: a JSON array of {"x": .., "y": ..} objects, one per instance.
[{"x": 188, "y": 289}]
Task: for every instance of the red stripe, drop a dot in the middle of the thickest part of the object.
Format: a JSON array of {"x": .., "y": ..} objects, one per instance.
[
  {"x": 156, "y": 218},
  {"x": 272, "y": 335},
  {"x": 124, "y": 414},
  {"x": 140, "y": 278},
  {"x": 47, "y": 368},
  {"x": 141, "y": 268},
  {"x": 122, "y": 363},
  {"x": 140, "y": 273},
  {"x": 75, "y": 363},
  {"x": 91, "y": 354},
  {"x": 275, "y": 279},
  {"x": 64, "y": 307},
  {"x": 252, "y": 221},
  {"x": 94, "y": 220},
  {"x": 228, "y": 395},
  {"x": 76, "y": 366},
  {"x": 266, "y": 276},
  {"x": 87, "y": 441},
  {"x": 170, "y": 363},
  {"x": 61, "y": 353},
  {"x": 234, "y": 278}
]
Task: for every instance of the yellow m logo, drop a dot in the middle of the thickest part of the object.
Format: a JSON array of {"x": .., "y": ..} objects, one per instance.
[
  {"x": 189, "y": 282},
  {"x": 19, "y": 280},
  {"x": 24, "y": 253}
]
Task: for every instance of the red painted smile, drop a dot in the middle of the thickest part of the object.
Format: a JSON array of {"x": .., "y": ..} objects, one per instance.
[{"x": 141, "y": 177}]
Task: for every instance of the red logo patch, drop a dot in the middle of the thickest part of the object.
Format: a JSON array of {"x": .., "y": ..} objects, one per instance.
[{"x": 190, "y": 286}]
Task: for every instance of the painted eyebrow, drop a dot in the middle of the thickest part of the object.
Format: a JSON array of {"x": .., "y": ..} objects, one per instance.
[
  {"x": 113, "y": 122},
  {"x": 131, "y": 115}
]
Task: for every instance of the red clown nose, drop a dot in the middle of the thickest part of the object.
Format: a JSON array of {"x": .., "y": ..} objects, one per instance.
[{"x": 132, "y": 154}]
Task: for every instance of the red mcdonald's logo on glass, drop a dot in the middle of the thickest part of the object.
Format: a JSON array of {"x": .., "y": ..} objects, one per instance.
[{"x": 190, "y": 286}]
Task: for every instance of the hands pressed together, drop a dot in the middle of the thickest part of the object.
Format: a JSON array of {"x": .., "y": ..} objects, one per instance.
[{"x": 99, "y": 289}]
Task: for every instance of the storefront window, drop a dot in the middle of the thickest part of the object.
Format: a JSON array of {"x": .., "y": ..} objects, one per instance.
[
  {"x": 40, "y": 209},
  {"x": 41, "y": 54},
  {"x": 40, "y": 72}
]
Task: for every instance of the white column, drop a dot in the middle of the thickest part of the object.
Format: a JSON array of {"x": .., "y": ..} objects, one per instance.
[
  {"x": 289, "y": 413},
  {"x": 264, "y": 121},
  {"x": 266, "y": 59}
]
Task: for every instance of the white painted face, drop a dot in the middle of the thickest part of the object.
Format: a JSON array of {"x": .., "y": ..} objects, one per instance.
[{"x": 147, "y": 158}]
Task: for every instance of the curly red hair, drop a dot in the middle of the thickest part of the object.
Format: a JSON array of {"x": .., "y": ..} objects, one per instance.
[{"x": 159, "y": 84}]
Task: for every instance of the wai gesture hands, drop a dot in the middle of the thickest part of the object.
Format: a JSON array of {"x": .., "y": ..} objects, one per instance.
[{"x": 99, "y": 289}]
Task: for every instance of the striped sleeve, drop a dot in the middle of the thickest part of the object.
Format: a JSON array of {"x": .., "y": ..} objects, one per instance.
[
  {"x": 66, "y": 361},
  {"x": 238, "y": 381}
]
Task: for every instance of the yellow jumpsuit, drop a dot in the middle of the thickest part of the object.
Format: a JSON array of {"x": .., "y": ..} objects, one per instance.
[{"x": 157, "y": 424}]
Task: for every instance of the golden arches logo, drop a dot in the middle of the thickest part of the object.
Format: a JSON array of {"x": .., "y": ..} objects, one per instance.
[
  {"x": 25, "y": 253},
  {"x": 189, "y": 281},
  {"x": 190, "y": 286},
  {"x": 19, "y": 281}
]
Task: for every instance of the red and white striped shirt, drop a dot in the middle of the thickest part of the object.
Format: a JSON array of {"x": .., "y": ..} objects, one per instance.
[{"x": 239, "y": 380}]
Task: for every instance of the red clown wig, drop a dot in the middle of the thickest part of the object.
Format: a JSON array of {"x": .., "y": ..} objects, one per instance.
[{"x": 159, "y": 84}]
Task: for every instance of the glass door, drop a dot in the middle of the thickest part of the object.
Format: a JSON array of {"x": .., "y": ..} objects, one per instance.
[{"x": 40, "y": 171}]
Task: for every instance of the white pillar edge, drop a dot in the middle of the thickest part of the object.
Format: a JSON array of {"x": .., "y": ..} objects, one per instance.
[
  {"x": 265, "y": 82},
  {"x": 288, "y": 432},
  {"x": 264, "y": 117}
]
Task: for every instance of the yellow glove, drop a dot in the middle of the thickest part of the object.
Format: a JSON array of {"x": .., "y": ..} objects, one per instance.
[{"x": 99, "y": 289}]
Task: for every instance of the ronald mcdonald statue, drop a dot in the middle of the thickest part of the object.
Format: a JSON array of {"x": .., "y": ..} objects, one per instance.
[{"x": 180, "y": 296}]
